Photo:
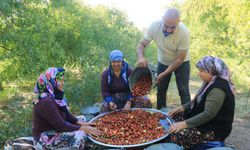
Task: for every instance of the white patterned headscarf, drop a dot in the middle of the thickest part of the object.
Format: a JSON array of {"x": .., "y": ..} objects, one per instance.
[{"x": 216, "y": 67}]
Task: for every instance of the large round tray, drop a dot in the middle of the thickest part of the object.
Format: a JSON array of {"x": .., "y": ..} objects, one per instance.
[{"x": 164, "y": 122}]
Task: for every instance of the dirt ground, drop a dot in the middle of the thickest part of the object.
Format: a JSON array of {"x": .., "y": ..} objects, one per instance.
[{"x": 239, "y": 138}]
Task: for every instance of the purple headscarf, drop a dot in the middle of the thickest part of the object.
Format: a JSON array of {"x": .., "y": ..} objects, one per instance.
[{"x": 216, "y": 67}]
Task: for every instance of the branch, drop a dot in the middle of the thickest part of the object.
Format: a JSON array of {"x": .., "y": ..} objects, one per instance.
[
  {"x": 6, "y": 48},
  {"x": 10, "y": 50}
]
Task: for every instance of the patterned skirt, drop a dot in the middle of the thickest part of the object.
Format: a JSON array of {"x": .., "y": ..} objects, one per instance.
[
  {"x": 65, "y": 141},
  {"x": 189, "y": 137}
]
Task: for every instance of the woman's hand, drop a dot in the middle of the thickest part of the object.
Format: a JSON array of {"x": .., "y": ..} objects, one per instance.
[
  {"x": 127, "y": 105},
  {"x": 175, "y": 111},
  {"x": 112, "y": 106},
  {"x": 90, "y": 130},
  {"x": 177, "y": 127},
  {"x": 82, "y": 123}
]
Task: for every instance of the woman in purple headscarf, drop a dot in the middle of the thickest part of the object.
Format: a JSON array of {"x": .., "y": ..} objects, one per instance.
[
  {"x": 209, "y": 116},
  {"x": 53, "y": 125},
  {"x": 115, "y": 86}
]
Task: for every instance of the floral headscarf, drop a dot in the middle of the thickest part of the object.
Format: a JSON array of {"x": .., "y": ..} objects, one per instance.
[
  {"x": 48, "y": 85},
  {"x": 217, "y": 68}
]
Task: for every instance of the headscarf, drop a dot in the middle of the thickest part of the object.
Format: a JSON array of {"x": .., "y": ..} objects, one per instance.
[
  {"x": 117, "y": 55},
  {"x": 216, "y": 67},
  {"x": 48, "y": 85}
]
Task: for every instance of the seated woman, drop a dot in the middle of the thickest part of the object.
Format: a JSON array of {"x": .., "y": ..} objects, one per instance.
[
  {"x": 115, "y": 86},
  {"x": 209, "y": 116},
  {"x": 53, "y": 125}
]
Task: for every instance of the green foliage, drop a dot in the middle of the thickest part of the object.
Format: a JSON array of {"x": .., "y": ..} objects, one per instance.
[
  {"x": 221, "y": 28},
  {"x": 36, "y": 35}
]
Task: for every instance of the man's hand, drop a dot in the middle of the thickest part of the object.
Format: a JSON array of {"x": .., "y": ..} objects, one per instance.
[
  {"x": 142, "y": 62},
  {"x": 112, "y": 106},
  {"x": 160, "y": 77}
]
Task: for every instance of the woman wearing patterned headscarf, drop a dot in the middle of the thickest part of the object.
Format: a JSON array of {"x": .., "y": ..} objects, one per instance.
[
  {"x": 115, "y": 86},
  {"x": 53, "y": 125},
  {"x": 209, "y": 116}
]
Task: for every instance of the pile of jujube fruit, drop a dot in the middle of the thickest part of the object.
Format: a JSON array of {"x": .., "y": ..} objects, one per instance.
[
  {"x": 142, "y": 86},
  {"x": 129, "y": 127}
]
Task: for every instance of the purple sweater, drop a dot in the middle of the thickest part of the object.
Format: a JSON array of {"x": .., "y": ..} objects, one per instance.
[
  {"x": 117, "y": 85},
  {"x": 48, "y": 116}
]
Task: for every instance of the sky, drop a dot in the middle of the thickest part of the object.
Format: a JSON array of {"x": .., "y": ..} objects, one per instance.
[{"x": 140, "y": 12}]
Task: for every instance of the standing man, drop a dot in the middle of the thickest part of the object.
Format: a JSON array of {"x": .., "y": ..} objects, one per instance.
[{"x": 172, "y": 39}]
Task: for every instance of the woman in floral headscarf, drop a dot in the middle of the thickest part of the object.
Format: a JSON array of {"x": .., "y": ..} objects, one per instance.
[
  {"x": 53, "y": 125},
  {"x": 209, "y": 116},
  {"x": 115, "y": 86}
]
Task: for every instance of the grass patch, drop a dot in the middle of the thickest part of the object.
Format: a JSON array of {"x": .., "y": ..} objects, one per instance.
[
  {"x": 3, "y": 98},
  {"x": 15, "y": 119}
]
